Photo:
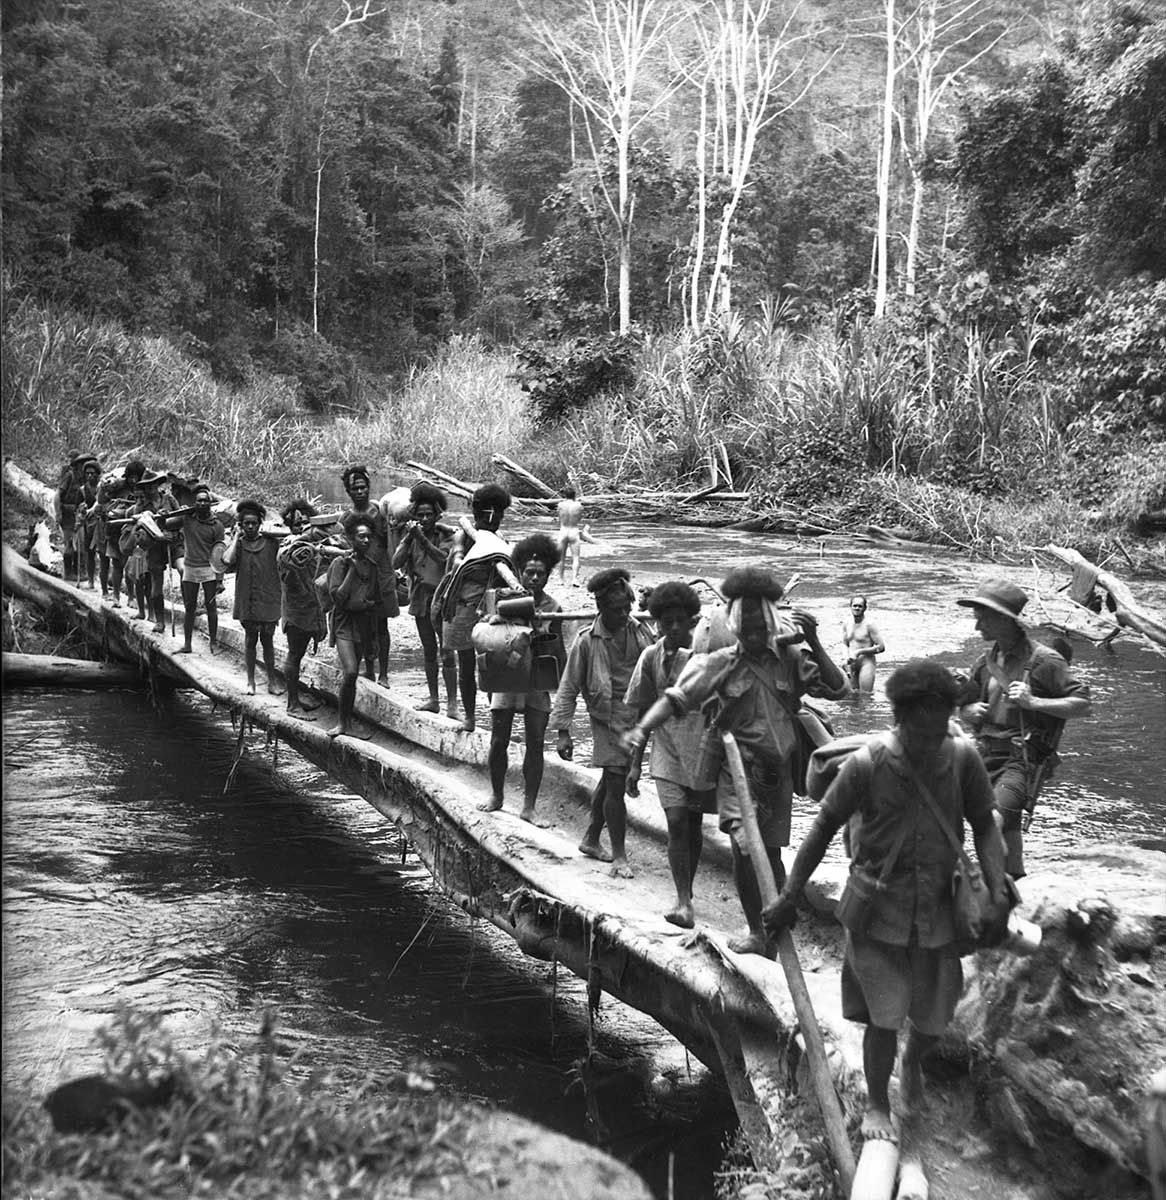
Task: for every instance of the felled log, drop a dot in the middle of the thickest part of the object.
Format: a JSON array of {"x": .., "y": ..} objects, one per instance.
[
  {"x": 31, "y": 489},
  {"x": 49, "y": 670},
  {"x": 1127, "y": 611},
  {"x": 543, "y": 489}
]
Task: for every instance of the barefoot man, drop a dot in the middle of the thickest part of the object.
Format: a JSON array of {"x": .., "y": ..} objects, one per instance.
[
  {"x": 570, "y": 535},
  {"x": 901, "y": 968}
]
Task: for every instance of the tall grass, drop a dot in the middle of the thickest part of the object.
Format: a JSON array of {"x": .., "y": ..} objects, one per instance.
[
  {"x": 453, "y": 412},
  {"x": 71, "y": 383}
]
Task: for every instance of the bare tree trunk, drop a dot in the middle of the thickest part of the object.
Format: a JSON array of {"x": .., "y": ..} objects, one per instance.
[{"x": 884, "y": 167}]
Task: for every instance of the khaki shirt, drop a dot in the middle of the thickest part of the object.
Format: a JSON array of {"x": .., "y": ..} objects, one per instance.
[{"x": 916, "y": 904}]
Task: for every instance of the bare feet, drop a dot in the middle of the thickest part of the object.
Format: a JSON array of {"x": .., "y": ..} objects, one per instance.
[
  {"x": 590, "y": 850},
  {"x": 468, "y": 724},
  {"x": 430, "y": 705},
  {"x": 621, "y": 869},
  {"x": 250, "y": 687},
  {"x": 214, "y": 646},
  {"x": 527, "y": 814},
  {"x": 184, "y": 650},
  {"x": 494, "y": 804},
  {"x": 159, "y": 626},
  {"x": 337, "y": 731},
  {"x": 751, "y": 943},
  {"x": 681, "y": 915},
  {"x": 451, "y": 711},
  {"x": 877, "y": 1126},
  {"x": 301, "y": 713},
  {"x": 275, "y": 688},
  {"x": 309, "y": 705},
  {"x": 382, "y": 681}
]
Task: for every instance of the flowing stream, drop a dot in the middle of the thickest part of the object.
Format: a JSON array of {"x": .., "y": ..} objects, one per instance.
[{"x": 129, "y": 877}]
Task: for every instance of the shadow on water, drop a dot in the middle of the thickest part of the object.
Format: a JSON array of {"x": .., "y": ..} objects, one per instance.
[{"x": 130, "y": 877}]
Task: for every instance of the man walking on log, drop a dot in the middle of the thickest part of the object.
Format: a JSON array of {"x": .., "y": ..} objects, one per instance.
[
  {"x": 675, "y": 607},
  {"x": 599, "y": 667},
  {"x": 354, "y": 585},
  {"x": 304, "y": 620},
  {"x": 901, "y": 967},
  {"x": 356, "y": 482},
  {"x": 1017, "y": 700},
  {"x": 201, "y": 532},
  {"x": 115, "y": 498},
  {"x": 252, "y": 557},
  {"x": 757, "y": 684}
]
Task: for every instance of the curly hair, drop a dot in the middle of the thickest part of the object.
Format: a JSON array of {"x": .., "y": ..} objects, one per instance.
[
  {"x": 604, "y": 581},
  {"x": 673, "y": 593},
  {"x": 424, "y": 492},
  {"x": 490, "y": 495},
  {"x": 250, "y": 506},
  {"x": 920, "y": 678},
  {"x": 536, "y": 545},
  {"x": 300, "y": 504},
  {"x": 356, "y": 471},
  {"x": 757, "y": 583},
  {"x": 354, "y": 519}
]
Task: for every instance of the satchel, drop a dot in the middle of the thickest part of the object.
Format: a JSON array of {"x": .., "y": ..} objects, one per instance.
[{"x": 973, "y": 913}]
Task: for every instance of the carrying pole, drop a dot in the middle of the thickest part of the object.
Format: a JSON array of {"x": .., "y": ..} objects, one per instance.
[{"x": 787, "y": 952}]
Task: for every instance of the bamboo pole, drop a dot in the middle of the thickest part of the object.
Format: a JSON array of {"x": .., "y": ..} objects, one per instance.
[{"x": 790, "y": 964}]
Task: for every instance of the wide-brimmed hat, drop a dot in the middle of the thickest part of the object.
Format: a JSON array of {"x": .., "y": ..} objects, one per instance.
[
  {"x": 152, "y": 478},
  {"x": 1000, "y": 596}
]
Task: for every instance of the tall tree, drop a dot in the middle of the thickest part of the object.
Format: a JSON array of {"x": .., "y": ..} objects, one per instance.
[
  {"x": 603, "y": 63},
  {"x": 744, "y": 80}
]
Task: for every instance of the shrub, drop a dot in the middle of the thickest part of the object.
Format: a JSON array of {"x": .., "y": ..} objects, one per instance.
[{"x": 563, "y": 376}]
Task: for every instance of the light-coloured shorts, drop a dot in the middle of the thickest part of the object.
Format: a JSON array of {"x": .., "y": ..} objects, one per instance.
[
  {"x": 518, "y": 701},
  {"x": 676, "y": 795},
  {"x": 193, "y": 574},
  {"x": 456, "y": 633},
  {"x": 884, "y": 985}
]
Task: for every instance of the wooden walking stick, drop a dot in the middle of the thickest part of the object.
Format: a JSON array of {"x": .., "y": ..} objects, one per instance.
[{"x": 795, "y": 980}]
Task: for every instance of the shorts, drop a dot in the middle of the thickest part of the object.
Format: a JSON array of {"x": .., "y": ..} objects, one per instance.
[
  {"x": 259, "y": 627},
  {"x": 676, "y": 795},
  {"x": 773, "y": 797},
  {"x": 521, "y": 701},
  {"x": 885, "y": 986},
  {"x": 193, "y": 574},
  {"x": 420, "y": 598},
  {"x": 605, "y": 748},
  {"x": 455, "y": 633}
]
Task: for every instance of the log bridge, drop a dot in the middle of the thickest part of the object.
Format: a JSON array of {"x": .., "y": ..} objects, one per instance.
[{"x": 733, "y": 1012}]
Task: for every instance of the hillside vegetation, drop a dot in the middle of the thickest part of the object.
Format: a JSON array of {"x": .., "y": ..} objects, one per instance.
[{"x": 251, "y": 239}]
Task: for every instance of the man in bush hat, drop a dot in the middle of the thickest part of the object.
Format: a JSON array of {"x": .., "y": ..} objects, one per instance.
[
  {"x": 1017, "y": 700},
  {"x": 901, "y": 966}
]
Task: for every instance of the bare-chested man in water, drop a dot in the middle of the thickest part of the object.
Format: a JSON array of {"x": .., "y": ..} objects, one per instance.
[{"x": 863, "y": 641}]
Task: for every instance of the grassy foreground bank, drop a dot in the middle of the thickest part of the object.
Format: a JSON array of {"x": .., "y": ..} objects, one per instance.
[{"x": 836, "y": 426}]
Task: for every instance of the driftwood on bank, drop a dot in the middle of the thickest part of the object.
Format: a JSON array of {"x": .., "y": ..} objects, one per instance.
[
  {"x": 49, "y": 670},
  {"x": 1128, "y": 613}
]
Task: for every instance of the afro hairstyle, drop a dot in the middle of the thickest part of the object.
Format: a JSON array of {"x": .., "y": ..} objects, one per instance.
[
  {"x": 353, "y": 519},
  {"x": 673, "y": 593},
  {"x": 424, "y": 492},
  {"x": 757, "y": 583},
  {"x": 536, "y": 545},
  {"x": 918, "y": 679},
  {"x": 134, "y": 470},
  {"x": 490, "y": 495},
  {"x": 604, "y": 581},
  {"x": 299, "y": 504},
  {"x": 250, "y": 506}
]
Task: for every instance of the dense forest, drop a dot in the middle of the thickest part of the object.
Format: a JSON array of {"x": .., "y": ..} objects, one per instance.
[{"x": 928, "y": 239}]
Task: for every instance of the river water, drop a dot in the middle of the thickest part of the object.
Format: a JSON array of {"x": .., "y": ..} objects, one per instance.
[{"x": 129, "y": 877}]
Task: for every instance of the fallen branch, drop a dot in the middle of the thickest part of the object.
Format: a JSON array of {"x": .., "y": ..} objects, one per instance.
[{"x": 1128, "y": 612}]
